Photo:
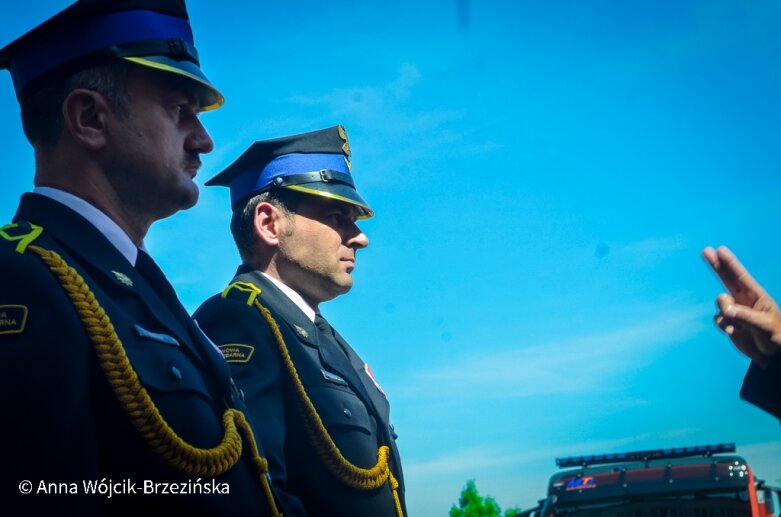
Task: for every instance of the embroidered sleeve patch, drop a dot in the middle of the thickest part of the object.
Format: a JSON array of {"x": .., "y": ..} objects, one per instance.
[
  {"x": 13, "y": 319},
  {"x": 235, "y": 353}
]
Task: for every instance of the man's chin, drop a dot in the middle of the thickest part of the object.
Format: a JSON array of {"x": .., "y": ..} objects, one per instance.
[
  {"x": 337, "y": 289},
  {"x": 185, "y": 201},
  {"x": 345, "y": 286},
  {"x": 190, "y": 198}
]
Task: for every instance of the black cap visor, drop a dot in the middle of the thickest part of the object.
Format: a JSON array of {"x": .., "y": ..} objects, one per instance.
[
  {"x": 337, "y": 191},
  {"x": 209, "y": 97}
]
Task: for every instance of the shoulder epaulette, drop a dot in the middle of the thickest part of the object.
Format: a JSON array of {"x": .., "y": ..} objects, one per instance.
[
  {"x": 22, "y": 233},
  {"x": 244, "y": 291}
]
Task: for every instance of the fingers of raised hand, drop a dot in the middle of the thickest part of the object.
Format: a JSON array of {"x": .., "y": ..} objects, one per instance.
[
  {"x": 709, "y": 254},
  {"x": 755, "y": 333},
  {"x": 765, "y": 323},
  {"x": 736, "y": 277},
  {"x": 726, "y": 305}
]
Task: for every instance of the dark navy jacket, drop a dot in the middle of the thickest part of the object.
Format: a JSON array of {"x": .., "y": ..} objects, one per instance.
[
  {"x": 352, "y": 407},
  {"x": 762, "y": 387},
  {"x": 63, "y": 425}
]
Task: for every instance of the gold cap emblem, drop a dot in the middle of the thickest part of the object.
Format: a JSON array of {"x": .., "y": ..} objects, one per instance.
[{"x": 346, "y": 145}]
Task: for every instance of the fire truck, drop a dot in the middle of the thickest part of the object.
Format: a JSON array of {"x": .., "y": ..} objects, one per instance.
[{"x": 699, "y": 481}]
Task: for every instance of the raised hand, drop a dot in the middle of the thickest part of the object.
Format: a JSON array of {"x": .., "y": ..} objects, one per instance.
[{"x": 747, "y": 314}]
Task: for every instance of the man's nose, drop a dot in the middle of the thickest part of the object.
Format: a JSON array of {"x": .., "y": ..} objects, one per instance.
[
  {"x": 359, "y": 239},
  {"x": 199, "y": 139}
]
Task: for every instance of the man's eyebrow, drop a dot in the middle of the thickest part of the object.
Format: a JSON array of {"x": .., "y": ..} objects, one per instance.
[
  {"x": 189, "y": 94},
  {"x": 344, "y": 209},
  {"x": 349, "y": 210},
  {"x": 181, "y": 86}
]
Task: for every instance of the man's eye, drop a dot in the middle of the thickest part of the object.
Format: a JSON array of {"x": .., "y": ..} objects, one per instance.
[
  {"x": 336, "y": 218},
  {"x": 180, "y": 108}
]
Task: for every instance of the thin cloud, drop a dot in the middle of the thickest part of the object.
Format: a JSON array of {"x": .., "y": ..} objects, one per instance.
[
  {"x": 586, "y": 363},
  {"x": 366, "y": 101},
  {"x": 476, "y": 459},
  {"x": 402, "y": 86},
  {"x": 382, "y": 107},
  {"x": 649, "y": 252},
  {"x": 387, "y": 118}
]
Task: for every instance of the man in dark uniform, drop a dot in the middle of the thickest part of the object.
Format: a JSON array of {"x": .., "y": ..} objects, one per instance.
[
  {"x": 114, "y": 401},
  {"x": 752, "y": 320},
  {"x": 294, "y": 221}
]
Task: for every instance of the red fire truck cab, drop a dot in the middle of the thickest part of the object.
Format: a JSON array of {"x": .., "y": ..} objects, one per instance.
[{"x": 701, "y": 481}]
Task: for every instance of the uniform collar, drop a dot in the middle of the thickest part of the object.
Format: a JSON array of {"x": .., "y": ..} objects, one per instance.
[
  {"x": 105, "y": 225},
  {"x": 294, "y": 296}
]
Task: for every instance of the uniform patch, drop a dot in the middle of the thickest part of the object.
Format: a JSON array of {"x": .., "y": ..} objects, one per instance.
[
  {"x": 302, "y": 331},
  {"x": 13, "y": 319},
  {"x": 235, "y": 353},
  {"x": 122, "y": 278},
  {"x": 371, "y": 376}
]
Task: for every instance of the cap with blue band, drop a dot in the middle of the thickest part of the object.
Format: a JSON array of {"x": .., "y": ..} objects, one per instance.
[
  {"x": 315, "y": 163},
  {"x": 151, "y": 33}
]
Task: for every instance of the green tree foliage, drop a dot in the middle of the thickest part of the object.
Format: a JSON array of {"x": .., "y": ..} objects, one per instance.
[{"x": 472, "y": 504}]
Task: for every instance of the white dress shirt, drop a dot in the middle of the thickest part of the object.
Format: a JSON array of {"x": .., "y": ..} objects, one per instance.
[
  {"x": 99, "y": 220},
  {"x": 294, "y": 297}
]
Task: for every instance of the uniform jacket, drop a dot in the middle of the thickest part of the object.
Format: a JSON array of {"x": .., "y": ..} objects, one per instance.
[
  {"x": 352, "y": 407},
  {"x": 63, "y": 426},
  {"x": 762, "y": 387}
]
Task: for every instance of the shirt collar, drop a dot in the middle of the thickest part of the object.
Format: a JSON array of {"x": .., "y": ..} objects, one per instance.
[
  {"x": 294, "y": 297},
  {"x": 98, "y": 219}
]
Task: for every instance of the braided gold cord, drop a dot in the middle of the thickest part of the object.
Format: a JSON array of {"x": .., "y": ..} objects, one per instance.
[
  {"x": 136, "y": 401},
  {"x": 396, "y": 500},
  {"x": 351, "y": 475},
  {"x": 260, "y": 462}
]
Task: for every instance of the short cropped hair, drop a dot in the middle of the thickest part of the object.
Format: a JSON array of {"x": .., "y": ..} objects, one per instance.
[
  {"x": 41, "y": 110},
  {"x": 243, "y": 219}
]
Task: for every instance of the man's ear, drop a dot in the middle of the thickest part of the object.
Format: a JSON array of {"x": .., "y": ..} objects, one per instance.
[
  {"x": 84, "y": 115},
  {"x": 270, "y": 223}
]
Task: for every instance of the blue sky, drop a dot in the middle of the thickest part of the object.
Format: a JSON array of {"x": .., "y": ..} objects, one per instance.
[{"x": 544, "y": 176}]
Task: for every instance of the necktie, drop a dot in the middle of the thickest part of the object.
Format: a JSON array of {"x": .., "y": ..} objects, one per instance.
[
  {"x": 153, "y": 275},
  {"x": 322, "y": 325},
  {"x": 328, "y": 333},
  {"x": 156, "y": 279}
]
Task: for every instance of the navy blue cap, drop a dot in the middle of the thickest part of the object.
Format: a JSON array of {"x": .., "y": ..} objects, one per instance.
[
  {"x": 151, "y": 33},
  {"x": 316, "y": 163}
]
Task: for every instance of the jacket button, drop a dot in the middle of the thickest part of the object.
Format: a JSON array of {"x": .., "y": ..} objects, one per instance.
[
  {"x": 348, "y": 413},
  {"x": 176, "y": 373}
]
